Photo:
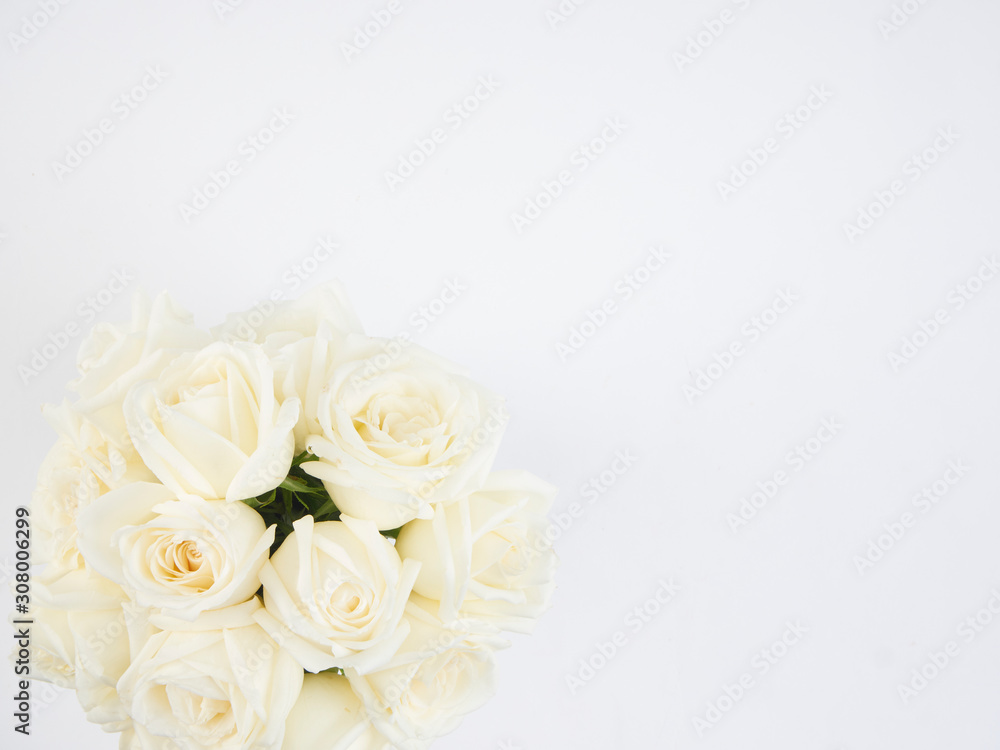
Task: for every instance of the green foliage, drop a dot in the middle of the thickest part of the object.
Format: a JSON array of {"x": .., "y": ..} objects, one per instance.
[{"x": 297, "y": 496}]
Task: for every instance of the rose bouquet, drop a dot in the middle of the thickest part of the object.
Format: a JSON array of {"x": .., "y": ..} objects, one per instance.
[{"x": 281, "y": 533}]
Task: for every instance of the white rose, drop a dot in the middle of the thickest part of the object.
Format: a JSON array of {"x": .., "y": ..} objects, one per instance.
[
  {"x": 81, "y": 466},
  {"x": 487, "y": 555},
  {"x": 335, "y": 593},
  {"x": 438, "y": 676},
  {"x": 52, "y": 652},
  {"x": 329, "y": 716},
  {"x": 211, "y": 426},
  {"x": 300, "y": 336},
  {"x": 301, "y": 366},
  {"x": 92, "y": 610},
  {"x": 400, "y": 428},
  {"x": 114, "y": 357},
  {"x": 182, "y": 555},
  {"x": 106, "y": 641},
  {"x": 219, "y": 682},
  {"x": 278, "y": 323},
  {"x": 75, "y": 588}
]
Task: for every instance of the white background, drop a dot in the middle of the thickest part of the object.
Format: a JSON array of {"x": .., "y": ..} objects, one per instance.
[{"x": 687, "y": 126}]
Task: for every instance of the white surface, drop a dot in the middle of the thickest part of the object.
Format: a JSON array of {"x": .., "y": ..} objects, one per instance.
[{"x": 656, "y": 185}]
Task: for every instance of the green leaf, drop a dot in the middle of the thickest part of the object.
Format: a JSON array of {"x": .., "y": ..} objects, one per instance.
[
  {"x": 299, "y": 495},
  {"x": 303, "y": 457},
  {"x": 293, "y": 484},
  {"x": 261, "y": 501},
  {"x": 327, "y": 512}
]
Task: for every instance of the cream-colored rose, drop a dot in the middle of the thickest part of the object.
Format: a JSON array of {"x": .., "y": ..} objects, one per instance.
[
  {"x": 437, "y": 677},
  {"x": 181, "y": 555},
  {"x": 81, "y": 466},
  {"x": 334, "y": 594},
  {"x": 487, "y": 555},
  {"x": 329, "y": 716},
  {"x": 114, "y": 357},
  {"x": 399, "y": 428},
  {"x": 301, "y": 366},
  {"x": 106, "y": 631},
  {"x": 106, "y": 641},
  {"x": 276, "y": 324},
  {"x": 219, "y": 682},
  {"x": 211, "y": 426},
  {"x": 300, "y": 336},
  {"x": 51, "y": 649}
]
